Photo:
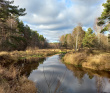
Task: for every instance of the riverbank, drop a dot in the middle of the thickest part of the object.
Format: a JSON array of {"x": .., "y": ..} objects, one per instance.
[
  {"x": 12, "y": 78},
  {"x": 12, "y": 82},
  {"x": 91, "y": 59},
  {"x": 7, "y": 58}
]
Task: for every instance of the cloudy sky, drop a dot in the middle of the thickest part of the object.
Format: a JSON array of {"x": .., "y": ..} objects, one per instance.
[{"x": 53, "y": 18}]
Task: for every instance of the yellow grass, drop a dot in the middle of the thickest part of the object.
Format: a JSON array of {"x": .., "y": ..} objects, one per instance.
[
  {"x": 98, "y": 61},
  {"x": 11, "y": 82},
  {"x": 10, "y": 79},
  {"x": 14, "y": 56},
  {"x": 74, "y": 58}
]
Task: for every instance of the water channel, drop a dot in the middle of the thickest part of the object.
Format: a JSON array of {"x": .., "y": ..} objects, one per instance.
[{"x": 53, "y": 76}]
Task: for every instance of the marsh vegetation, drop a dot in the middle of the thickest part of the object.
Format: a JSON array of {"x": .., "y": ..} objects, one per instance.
[
  {"x": 25, "y": 56},
  {"x": 92, "y": 59}
]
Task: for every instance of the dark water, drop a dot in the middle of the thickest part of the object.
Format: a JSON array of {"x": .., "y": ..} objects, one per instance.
[
  {"x": 55, "y": 77},
  {"x": 27, "y": 66}
]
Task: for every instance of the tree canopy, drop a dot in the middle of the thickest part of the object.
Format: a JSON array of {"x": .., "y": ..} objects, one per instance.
[
  {"x": 89, "y": 39},
  {"x": 105, "y": 16},
  {"x": 7, "y": 9},
  {"x": 14, "y": 35}
]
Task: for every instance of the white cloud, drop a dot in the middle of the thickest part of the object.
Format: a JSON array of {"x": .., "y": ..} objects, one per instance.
[{"x": 55, "y": 18}]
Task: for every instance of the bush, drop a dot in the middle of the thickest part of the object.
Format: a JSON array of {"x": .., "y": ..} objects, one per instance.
[{"x": 75, "y": 58}]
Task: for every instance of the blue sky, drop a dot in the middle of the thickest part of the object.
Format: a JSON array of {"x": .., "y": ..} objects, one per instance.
[{"x": 53, "y": 18}]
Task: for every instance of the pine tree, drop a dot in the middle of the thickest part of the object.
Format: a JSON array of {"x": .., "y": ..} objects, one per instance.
[
  {"x": 105, "y": 16},
  {"x": 89, "y": 39},
  {"x": 7, "y": 9}
]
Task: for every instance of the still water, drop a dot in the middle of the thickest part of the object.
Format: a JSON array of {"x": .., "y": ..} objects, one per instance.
[{"x": 55, "y": 77}]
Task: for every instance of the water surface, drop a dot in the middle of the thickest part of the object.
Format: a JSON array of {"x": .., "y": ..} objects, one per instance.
[{"x": 55, "y": 77}]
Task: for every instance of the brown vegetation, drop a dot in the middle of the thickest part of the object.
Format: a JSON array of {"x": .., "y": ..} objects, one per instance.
[
  {"x": 98, "y": 62},
  {"x": 12, "y": 82},
  {"x": 74, "y": 58},
  {"x": 10, "y": 57},
  {"x": 11, "y": 78},
  {"x": 92, "y": 60},
  {"x": 77, "y": 71}
]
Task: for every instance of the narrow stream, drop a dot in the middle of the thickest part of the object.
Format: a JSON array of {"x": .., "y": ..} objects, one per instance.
[{"x": 55, "y": 77}]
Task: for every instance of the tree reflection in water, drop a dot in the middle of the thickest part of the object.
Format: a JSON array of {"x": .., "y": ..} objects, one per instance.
[
  {"x": 102, "y": 78},
  {"x": 48, "y": 78},
  {"x": 53, "y": 83}
]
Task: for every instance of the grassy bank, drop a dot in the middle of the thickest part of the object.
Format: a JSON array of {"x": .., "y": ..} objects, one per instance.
[
  {"x": 17, "y": 56},
  {"x": 92, "y": 59},
  {"x": 7, "y": 58},
  {"x": 11, "y": 78},
  {"x": 12, "y": 82},
  {"x": 30, "y": 53}
]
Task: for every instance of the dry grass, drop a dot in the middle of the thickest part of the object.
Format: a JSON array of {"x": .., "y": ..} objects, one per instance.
[
  {"x": 12, "y": 57},
  {"x": 11, "y": 82},
  {"x": 10, "y": 73},
  {"x": 6, "y": 59},
  {"x": 25, "y": 86},
  {"x": 31, "y": 52},
  {"x": 74, "y": 58},
  {"x": 10, "y": 79},
  {"x": 38, "y": 52},
  {"x": 96, "y": 61}
]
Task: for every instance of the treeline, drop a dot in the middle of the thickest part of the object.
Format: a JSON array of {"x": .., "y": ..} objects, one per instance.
[
  {"x": 54, "y": 45},
  {"x": 81, "y": 39},
  {"x": 14, "y": 35},
  {"x": 91, "y": 39}
]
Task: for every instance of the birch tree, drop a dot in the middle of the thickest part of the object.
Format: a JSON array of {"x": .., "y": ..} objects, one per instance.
[
  {"x": 78, "y": 35},
  {"x": 98, "y": 31}
]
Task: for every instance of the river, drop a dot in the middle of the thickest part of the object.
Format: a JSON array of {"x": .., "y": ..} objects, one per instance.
[{"x": 53, "y": 76}]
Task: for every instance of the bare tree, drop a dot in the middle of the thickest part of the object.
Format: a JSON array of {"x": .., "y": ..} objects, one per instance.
[
  {"x": 98, "y": 31},
  {"x": 69, "y": 40},
  {"x": 78, "y": 35}
]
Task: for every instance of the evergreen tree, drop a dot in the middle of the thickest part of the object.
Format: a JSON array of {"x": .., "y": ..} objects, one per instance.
[
  {"x": 14, "y": 35},
  {"x": 89, "y": 39},
  {"x": 105, "y": 16},
  {"x": 7, "y": 9}
]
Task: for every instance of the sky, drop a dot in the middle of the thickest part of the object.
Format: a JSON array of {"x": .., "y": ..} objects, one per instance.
[{"x": 53, "y": 18}]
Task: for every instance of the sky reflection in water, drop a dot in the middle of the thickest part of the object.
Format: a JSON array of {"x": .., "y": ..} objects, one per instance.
[{"x": 52, "y": 74}]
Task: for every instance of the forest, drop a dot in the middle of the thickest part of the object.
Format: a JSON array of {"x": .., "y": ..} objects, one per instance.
[
  {"x": 27, "y": 57},
  {"x": 14, "y": 34},
  {"x": 86, "y": 39}
]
